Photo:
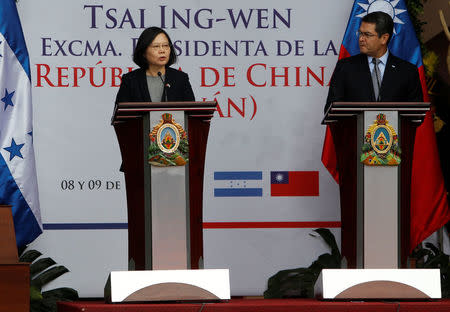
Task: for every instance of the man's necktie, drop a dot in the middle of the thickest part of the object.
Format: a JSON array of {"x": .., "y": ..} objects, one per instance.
[{"x": 376, "y": 78}]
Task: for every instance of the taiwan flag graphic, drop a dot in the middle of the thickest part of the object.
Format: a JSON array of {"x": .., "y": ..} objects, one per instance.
[{"x": 294, "y": 183}]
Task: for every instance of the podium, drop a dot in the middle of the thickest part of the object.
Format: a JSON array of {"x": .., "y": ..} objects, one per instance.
[
  {"x": 14, "y": 276},
  {"x": 375, "y": 199},
  {"x": 164, "y": 203}
]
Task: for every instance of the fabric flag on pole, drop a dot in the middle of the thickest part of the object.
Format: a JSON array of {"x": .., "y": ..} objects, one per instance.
[
  {"x": 294, "y": 183},
  {"x": 429, "y": 207},
  {"x": 18, "y": 183}
]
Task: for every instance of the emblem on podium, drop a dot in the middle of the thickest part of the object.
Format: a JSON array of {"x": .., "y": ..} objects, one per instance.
[
  {"x": 380, "y": 146},
  {"x": 168, "y": 143}
]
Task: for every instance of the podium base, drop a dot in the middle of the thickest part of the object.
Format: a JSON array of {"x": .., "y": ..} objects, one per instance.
[
  {"x": 349, "y": 284},
  {"x": 167, "y": 285}
]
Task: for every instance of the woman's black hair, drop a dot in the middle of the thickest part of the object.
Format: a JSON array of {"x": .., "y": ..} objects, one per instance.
[{"x": 145, "y": 39}]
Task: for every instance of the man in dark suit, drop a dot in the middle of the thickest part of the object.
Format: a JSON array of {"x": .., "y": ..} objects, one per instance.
[
  {"x": 373, "y": 75},
  {"x": 356, "y": 78}
]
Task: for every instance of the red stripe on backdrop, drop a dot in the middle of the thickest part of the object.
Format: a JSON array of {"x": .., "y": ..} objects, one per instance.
[{"x": 271, "y": 225}]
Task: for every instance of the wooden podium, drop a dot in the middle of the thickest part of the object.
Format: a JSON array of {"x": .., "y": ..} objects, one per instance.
[
  {"x": 375, "y": 202},
  {"x": 349, "y": 122},
  {"x": 164, "y": 203},
  {"x": 14, "y": 276}
]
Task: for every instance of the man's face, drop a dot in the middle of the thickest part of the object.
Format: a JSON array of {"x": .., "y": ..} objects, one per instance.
[{"x": 369, "y": 42}]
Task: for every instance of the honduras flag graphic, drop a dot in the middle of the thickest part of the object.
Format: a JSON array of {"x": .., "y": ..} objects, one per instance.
[
  {"x": 238, "y": 184},
  {"x": 18, "y": 183}
]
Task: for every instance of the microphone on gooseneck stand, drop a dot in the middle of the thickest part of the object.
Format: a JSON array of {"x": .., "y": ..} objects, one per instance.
[{"x": 166, "y": 86}]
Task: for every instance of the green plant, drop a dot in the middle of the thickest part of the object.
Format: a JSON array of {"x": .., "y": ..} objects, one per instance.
[
  {"x": 431, "y": 257},
  {"x": 415, "y": 10},
  {"x": 42, "y": 272},
  {"x": 300, "y": 282}
]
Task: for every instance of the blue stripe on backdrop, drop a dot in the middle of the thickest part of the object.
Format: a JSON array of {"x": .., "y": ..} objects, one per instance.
[{"x": 85, "y": 226}]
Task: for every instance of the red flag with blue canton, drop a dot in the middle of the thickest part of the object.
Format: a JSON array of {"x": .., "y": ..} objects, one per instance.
[
  {"x": 429, "y": 207},
  {"x": 294, "y": 183}
]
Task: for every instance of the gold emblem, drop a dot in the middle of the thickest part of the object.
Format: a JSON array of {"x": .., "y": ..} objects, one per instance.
[
  {"x": 168, "y": 143},
  {"x": 381, "y": 144}
]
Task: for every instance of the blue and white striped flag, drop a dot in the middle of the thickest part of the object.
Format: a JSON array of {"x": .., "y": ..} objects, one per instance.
[
  {"x": 18, "y": 183},
  {"x": 238, "y": 184}
]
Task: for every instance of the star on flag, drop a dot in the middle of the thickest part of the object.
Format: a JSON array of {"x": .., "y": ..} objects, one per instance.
[
  {"x": 14, "y": 150},
  {"x": 7, "y": 99}
]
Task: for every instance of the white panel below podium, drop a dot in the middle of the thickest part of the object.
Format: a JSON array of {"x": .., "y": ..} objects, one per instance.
[
  {"x": 378, "y": 284},
  {"x": 167, "y": 285}
]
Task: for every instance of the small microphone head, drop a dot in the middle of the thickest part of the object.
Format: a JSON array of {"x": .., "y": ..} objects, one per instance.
[
  {"x": 160, "y": 77},
  {"x": 167, "y": 85}
]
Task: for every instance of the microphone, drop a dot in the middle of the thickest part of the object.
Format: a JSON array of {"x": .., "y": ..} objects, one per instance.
[{"x": 165, "y": 85}]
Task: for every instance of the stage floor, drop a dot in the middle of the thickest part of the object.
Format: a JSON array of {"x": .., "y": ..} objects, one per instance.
[{"x": 262, "y": 305}]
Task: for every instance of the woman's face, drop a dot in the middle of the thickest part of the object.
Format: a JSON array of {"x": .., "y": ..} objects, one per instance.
[{"x": 157, "y": 53}]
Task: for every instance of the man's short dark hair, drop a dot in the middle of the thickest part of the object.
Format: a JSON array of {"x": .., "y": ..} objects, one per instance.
[
  {"x": 145, "y": 39},
  {"x": 383, "y": 23}
]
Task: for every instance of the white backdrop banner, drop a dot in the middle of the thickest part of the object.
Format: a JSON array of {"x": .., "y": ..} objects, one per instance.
[{"x": 268, "y": 64}]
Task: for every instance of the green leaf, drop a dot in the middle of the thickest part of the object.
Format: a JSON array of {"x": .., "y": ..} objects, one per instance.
[
  {"x": 433, "y": 248},
  {"x": 328, "y": 237},
  {"x": 437, "y": 261},
  {"x": 21, "y": 249},
  {"x": 49, "y": 304},
  {"x": 434, "y": 258},
  {"x": 48, "y": 276},
  {"x": 36, "y": 306},
  {"x": 35, "y": 294},
  {"x": 40, "y": 266},
  {"x": 287, "y": 274},
  {"x": 422, "y": 253},
  {"x": 327, "y": 261},
  {"x": 29, "y": 256},
  {"x": 300, "y": 282},
  {"x": 63, "y": 293},
  {"x": 291, "y": 283},
  {"x": 46, "y": 301}
]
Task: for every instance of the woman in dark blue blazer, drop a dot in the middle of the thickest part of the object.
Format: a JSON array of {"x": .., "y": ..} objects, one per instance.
[{"x": 154, "y": 80}]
